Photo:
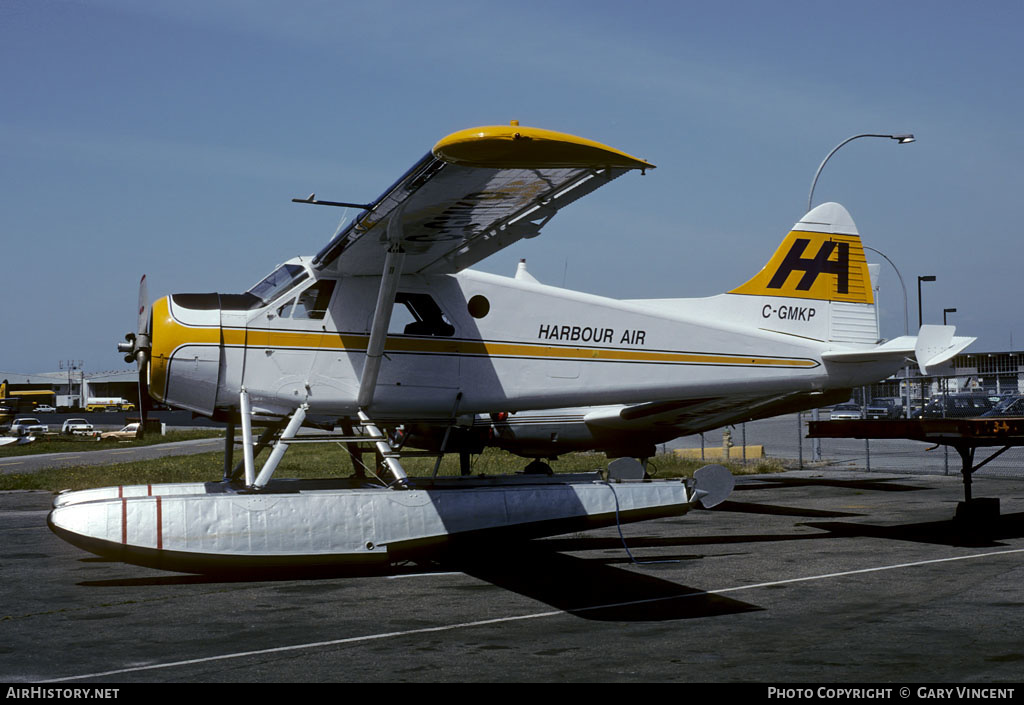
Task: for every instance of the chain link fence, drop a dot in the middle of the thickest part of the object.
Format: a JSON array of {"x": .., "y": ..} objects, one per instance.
[{"x": 785, "y": 437}]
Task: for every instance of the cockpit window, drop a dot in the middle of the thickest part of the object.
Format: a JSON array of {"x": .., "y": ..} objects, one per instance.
[{"x": 278, "y": 282}]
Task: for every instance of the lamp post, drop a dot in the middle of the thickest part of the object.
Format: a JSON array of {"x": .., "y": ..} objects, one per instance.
[
  {"x": 906, "y": 331},
  {"x": 903, "y": 286},
  {"x": 900, "y": 139},
  {"x": 920, "y": 316},
  {"x": 920, "y": 322},
  {"x": 944, "y": 312}
]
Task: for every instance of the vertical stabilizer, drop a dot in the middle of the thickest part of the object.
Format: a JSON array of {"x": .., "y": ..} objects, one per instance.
[{"x": 820, "y": 260}]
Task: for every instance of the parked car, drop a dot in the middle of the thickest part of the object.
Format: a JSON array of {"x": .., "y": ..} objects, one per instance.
[
  {"x": 27, "y": 426},
  {"x": 883, "y": 408},
  {"x": 79, "y": 427},
  {"x": 45, "y": 409},
  {"x": 956, "y": 406},
  {"x": 125, "y": 434},
  {"x": 1010, "y": 406},
  {"x": 845, "y": 412}
]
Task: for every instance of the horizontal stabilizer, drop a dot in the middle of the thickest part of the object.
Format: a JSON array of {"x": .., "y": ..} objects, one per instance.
[{"x": 934, "y": 346}]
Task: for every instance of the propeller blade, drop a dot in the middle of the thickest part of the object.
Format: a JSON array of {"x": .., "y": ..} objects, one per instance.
[
  {"x": 142, "y": 324},
  {"x": 140, "y": 351}
]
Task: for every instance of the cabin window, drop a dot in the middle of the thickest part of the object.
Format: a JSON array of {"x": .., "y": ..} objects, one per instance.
[
  {"x": 311, "y": 304},
  {"x": 478, "y": 306},
  {"x": 419, "y": 314},
  {"x": 285, "y": 310}
]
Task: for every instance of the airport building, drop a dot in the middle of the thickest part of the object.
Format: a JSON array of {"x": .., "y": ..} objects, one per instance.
[{"x": 992, "y": 373}]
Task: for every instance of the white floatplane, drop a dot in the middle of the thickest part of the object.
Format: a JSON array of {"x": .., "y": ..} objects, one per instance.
[{"x": 386, "y": 327}]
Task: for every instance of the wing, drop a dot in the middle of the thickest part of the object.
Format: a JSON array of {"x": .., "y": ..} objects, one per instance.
[
  {"x": 477, "y": 191},
  {"x": 698, "y": 415}
]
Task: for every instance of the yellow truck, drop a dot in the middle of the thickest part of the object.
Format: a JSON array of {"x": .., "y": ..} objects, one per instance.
[{"x": 108, "y": 404}]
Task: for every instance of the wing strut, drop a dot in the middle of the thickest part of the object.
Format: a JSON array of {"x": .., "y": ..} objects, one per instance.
[
  {"x": 378, "y": 338},
  {"x": 381, "y": 321},
  {"x": 382, "y": 313}
]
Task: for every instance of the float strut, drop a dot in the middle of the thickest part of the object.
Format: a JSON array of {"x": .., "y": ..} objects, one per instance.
[
  {"x": 389, "y": 456},
  {"x": 267, "y": 471},
  {"x": 229, "y": 449},
  {"x": 250, "y": 470}
]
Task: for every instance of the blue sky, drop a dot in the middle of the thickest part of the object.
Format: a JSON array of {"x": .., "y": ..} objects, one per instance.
[{"x": 167, "y": 138}]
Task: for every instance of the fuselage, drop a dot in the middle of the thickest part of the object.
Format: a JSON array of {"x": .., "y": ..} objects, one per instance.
[{"x": 475, "y": 343}]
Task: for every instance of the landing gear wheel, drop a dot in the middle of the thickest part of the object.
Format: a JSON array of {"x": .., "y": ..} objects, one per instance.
[{"x": 538, "y": 467}]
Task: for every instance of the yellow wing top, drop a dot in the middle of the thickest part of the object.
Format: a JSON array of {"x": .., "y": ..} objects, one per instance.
[
  {"x": 515, "y": 147},
  {"x": 477, "y": 191}
]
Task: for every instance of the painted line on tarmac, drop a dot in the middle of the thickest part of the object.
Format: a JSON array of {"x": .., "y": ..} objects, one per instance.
[{"x": 505, "y": 620}]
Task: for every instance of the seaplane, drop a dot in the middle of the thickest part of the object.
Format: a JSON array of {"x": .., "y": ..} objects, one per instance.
[{"x": 388, "y": 329}]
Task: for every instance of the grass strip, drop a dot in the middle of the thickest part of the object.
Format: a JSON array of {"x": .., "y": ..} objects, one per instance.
[{"x": 308, "y": 461}]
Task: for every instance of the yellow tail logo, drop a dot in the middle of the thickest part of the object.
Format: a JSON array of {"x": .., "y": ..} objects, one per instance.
[{"x": 810, "y": 265}]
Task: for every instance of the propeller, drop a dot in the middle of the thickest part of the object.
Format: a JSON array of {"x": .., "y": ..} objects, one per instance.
[{"x": 137, "y": 347}]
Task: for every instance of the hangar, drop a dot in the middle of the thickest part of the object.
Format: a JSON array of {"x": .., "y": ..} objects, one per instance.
[{"x": 70, "y": 387}]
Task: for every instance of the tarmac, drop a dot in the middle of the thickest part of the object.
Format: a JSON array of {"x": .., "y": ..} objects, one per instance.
[{"x": 823, "y": 577}]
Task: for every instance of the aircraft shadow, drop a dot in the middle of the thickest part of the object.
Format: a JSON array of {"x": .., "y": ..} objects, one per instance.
[
  {"x": 950, "y": 532},
  {"x": 775, "y": 510},
  {"x": 251, "y": 575},
  {"x": 773, "y": 482},
  {"x": 591, "y": 589},
  {"x": 607, "y": 543}
]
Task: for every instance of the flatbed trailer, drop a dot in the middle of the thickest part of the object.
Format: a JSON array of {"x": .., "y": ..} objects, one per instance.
[{"x": 966, "y": 435}]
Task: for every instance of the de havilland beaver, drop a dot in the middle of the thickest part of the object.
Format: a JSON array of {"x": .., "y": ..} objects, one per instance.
[{"x": 387, "y": 332}]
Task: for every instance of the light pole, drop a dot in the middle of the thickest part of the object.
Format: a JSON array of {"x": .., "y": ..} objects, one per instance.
[
  {"x": 906, "y": 331},
  {"x": 903, "y": 286},
  {"x": 72, "y": 366},
  {"x": 900, "y": 139},
  {"x": 945, "y": 388},
  {"x": 920, "y": 322},
  {"x": 926, "y": 278}
]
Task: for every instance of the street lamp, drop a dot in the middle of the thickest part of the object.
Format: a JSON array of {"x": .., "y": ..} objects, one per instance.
[
  {"x": 926, "y": 278},
  {"x": 900, "y": 139},
  {"x": 944, "y": 312},
  {"x": 906, "y": 327},
  {"x": 920, "y": 322},
  {"x": 906, "y": 324}
]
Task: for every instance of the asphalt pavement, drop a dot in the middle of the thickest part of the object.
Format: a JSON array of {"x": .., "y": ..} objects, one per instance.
[{"x": 823, "y": 576}]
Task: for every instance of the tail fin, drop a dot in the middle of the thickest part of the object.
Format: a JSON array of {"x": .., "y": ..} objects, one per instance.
[{"x": 821, "y": 259}]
